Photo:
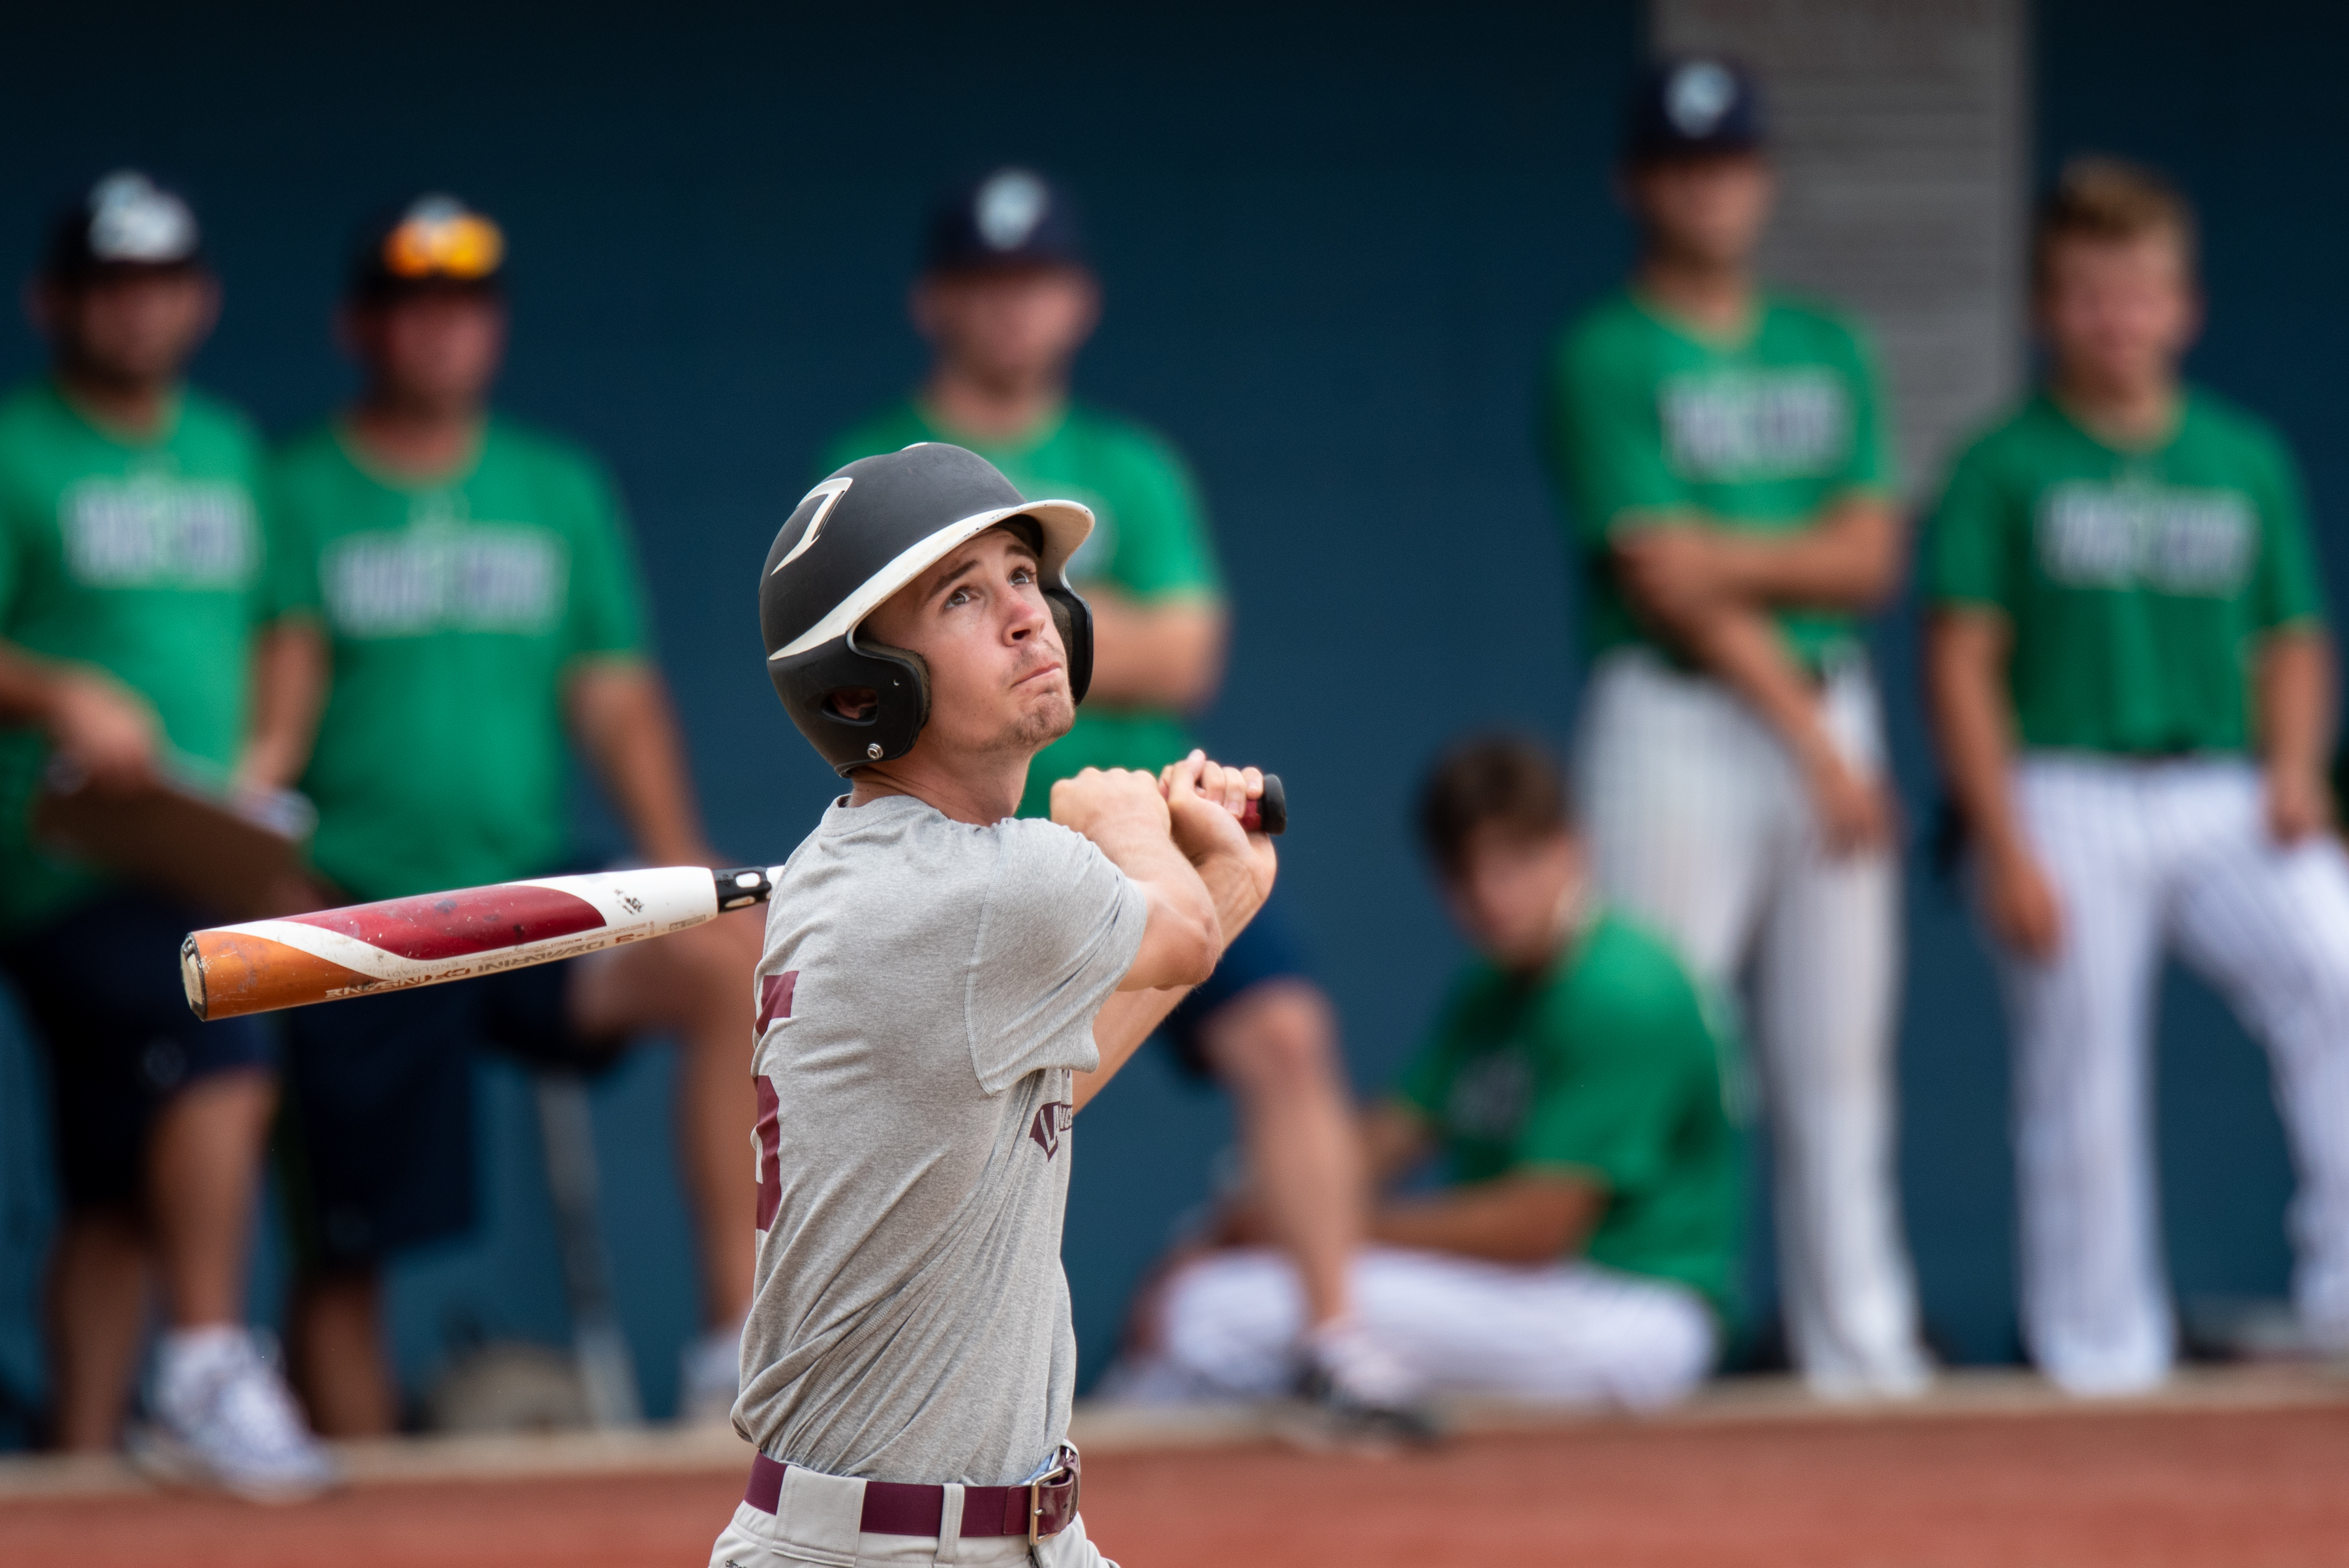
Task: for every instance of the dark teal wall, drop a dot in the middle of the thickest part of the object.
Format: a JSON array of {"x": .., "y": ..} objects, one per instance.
[{"x": 1334, "y": 243}]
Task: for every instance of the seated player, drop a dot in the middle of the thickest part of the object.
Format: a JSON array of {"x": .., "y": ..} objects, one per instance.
[
  {"x": 1006, "y": 299},
  {"x": 133, "y": 553},
  {"x": 468, "y": 582},
  {"x": 2133, "y": 690},
  {"x": 1581, "y": 1248},
  {"x": 944, "y": 988}
]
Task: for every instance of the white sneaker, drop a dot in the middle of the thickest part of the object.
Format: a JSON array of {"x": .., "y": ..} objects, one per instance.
[
  {"x": 223, "y": 1417},
  {"x": 1359, "y": 1393},
  {"x": 709, "y": 1378}
]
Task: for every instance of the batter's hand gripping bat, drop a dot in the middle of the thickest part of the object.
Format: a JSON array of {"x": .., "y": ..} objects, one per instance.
[{"x": 295, "y": 960}]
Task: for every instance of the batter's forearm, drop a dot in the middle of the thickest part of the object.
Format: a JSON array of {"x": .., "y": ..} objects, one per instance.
[
  {"x": 2295, "y": 701},
  {"x": 1231, "y": 883},
  {"x": 1133, "y": 826},
  {"x": 1182, "y": 943},
  {"x": 1965, "y": 678}
]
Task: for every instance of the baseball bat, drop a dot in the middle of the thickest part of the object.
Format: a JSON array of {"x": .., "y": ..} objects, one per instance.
[
  {"x": 259, "y": 966},
  {"x": 429, "y": 938}
]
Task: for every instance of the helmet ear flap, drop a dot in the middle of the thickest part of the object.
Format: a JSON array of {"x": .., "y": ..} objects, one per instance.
[
  {"x": 898, "y": 680},
  {"x": 915, "y": 665},
  {"x": 1074, "y": 618}
]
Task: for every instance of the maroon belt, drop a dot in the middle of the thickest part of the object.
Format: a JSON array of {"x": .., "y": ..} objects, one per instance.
[{"x": 1040, "y": 1509}]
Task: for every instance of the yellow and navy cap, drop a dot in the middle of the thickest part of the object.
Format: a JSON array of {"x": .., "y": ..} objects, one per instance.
[{"x": 433, "y": 244}]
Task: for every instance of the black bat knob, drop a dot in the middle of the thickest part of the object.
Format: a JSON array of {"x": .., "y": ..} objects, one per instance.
[{"x": 1271, "y": 813}]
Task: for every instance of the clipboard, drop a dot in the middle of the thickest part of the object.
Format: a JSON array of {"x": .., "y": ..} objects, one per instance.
[{"x": 236, "y": 852}]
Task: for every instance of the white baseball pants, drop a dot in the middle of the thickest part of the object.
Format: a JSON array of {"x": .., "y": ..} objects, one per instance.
[
  {"x": 1699, "y": 823},
  {"x": 2148, "y": 856},
  {"x": 1566, "y": 1333}
]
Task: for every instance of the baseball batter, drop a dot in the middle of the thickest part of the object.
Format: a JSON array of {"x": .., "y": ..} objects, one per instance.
[
  {"x": 943, "y": 987},
  {"x": 1724, "y": 451},
  {"x": 2132, "y": 686}
]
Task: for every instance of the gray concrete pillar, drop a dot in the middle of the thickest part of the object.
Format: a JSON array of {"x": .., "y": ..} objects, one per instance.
[{"x": 1902, "y": 132}]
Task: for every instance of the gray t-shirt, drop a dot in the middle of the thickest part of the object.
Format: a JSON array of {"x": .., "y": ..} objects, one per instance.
[{"x": 926, "y": 988}]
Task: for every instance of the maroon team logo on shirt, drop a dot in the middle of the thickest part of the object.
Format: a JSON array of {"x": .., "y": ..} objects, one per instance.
[
  {"x": 775, "y": 997},
  {"x": 1052, "y": 1120},
  {"x": 774, "y": 1002}
]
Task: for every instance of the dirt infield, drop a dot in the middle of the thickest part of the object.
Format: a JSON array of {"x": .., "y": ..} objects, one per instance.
[{"x": 2178, "y": 1490}]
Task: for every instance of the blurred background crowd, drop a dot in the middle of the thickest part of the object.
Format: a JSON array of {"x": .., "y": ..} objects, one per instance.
[{"x": 1332, "y": 263}]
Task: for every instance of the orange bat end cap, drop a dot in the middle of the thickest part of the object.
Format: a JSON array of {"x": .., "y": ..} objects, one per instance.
[
  {"x": 192, "y": 975},
  {"x": 230, "y": 973}
]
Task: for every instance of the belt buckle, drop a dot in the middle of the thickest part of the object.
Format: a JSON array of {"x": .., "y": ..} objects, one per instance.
[{"x": 1036, "y": 1498}]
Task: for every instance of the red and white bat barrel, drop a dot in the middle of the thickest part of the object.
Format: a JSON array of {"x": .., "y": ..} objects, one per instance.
[{"x": 295, "y": 960}]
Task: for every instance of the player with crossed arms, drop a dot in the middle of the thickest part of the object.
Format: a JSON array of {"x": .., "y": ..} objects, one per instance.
[
  {"x": 1726, "y": 454},
  {"x": 2132, "y": 686},
  {"x": 943, "y": 987}
]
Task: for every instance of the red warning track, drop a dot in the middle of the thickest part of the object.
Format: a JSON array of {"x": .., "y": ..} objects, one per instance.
[
  {"x": 445, "y": 925},
  {"x": 2199, "y": 1490}
]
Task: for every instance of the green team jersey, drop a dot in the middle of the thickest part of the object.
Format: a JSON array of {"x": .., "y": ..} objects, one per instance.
[
  {"x": 452, "y": 610},
  {"x": 2136, "y": 583},
  {"x": 1643, "y": 418},
  {"x": 1606, "y": 1065},
  {"x": 1149, "y": 542},
  {"x": 148, "y": 558}
]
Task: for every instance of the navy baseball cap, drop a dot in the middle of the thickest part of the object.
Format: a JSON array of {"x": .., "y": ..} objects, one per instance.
[
  {"x": 433, "y": 244},
  {"x": 1693, "y": 105},
  {"x": 1008, "y": 218},
  {"x": 127, "y": 221}
]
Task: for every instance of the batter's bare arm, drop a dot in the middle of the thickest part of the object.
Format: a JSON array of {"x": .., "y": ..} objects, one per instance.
[
  {"x": 1232, "y": 866},
  {"x": 1966, "y": 652},
  {"x": 619, "y": 709},
  {"x": 1122, "y": 812},
  {"x": 2295, "y": 714}
]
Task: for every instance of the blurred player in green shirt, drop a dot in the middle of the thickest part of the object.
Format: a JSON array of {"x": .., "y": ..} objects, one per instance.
[
  {"x": 2132, "y": 685},
  {"x": 1725, "y": 457},
  {"x": 466, "y": 591},
  {"x": 1582, "y": 1247},
  {"x": 134, "y": 581},
  {"x": 1006, "y": 298}
]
